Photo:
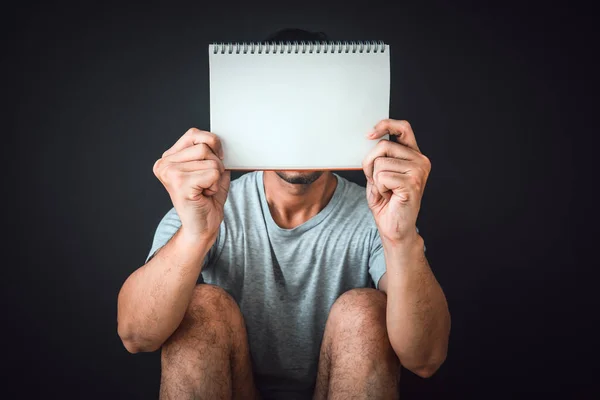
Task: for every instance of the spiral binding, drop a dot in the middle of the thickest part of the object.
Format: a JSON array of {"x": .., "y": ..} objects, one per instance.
[{"x": 299, "y": 47}]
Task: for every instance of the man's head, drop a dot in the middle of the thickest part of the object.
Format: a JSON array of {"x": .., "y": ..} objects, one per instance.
[{"x": 298, "y": 35}]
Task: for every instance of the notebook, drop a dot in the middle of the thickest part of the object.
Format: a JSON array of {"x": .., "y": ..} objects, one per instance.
[{"x": 297, "y": 105}]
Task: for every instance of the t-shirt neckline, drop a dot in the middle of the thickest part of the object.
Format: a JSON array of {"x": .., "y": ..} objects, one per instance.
[{"x": 312, "y": 222}]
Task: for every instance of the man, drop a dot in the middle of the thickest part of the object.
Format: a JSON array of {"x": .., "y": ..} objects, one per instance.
[{"x": 287, "y": 262}]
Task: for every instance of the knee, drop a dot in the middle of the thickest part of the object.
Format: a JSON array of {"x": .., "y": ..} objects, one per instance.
[
  {"x": 212, "y": 315},
  {"x": 359, "y": 311},
  {"x": 211, "y": 303},
  {"x": 212, "y": 307}
]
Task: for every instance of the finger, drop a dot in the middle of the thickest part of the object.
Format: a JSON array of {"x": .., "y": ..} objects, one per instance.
[
  {"x": 401, "y": 129},
  {"x": 176, "y": 176},
  {"x": 196, "y": 152},
  {"x": 397, "y": 183},
  {"x": 395, "y": 165},
  {"x": 195, "y": 136},
  {"x": 205, "y": 182},
  {"x": 200, "y": 165},
  {"x": 385, "y": 148}
]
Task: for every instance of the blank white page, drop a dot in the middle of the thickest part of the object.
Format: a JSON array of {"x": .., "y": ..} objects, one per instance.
[{"x": 297, "y": 110}]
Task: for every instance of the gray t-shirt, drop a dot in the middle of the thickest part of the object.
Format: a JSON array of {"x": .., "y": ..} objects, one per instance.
[{"x": 286, "y": 280}]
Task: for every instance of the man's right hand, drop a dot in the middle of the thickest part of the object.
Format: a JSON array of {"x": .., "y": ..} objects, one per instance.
[{"x": 194, "y": 175}]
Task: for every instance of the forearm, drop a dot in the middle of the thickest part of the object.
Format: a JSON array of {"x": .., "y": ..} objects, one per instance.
[
  {"x": 418, "y": 320},
  {"x": 153, "y": 300}
]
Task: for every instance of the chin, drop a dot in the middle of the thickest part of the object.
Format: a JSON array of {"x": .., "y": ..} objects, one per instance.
[{"x": 299, "y": 177}]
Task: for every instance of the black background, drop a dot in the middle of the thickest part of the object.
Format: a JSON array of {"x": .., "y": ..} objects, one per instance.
[{"x": 497, "y": 95}]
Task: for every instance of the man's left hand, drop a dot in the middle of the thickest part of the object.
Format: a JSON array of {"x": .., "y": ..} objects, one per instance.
[{"x": 396, "y": 177}]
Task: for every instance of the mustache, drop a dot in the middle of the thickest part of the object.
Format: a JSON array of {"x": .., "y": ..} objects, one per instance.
[{"x": 304, "y": 179}]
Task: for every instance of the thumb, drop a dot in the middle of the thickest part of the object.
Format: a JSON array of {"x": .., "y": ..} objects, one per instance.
[
  {"x": 225, "y": 180},
  {"x": 373, "y": 195},
  {"x": 224, "y": 183}
]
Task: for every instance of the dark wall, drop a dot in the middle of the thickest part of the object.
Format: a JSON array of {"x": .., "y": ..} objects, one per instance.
[{"x": 96, "y": 93}]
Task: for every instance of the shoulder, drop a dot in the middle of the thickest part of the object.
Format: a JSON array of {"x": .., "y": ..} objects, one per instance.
[
  {"x": 243, "y": 192},
  {"x": 354, "y": 195},
  {"x": 244, "y": 185},
  {"x": 353, "y": 203},
  {"x": 246, "y": 179}
]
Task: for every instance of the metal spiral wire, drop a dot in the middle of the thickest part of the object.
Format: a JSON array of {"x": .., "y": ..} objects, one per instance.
[{"x": 299, "y": 47}]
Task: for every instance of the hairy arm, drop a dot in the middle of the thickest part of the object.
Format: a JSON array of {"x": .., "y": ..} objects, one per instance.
[
  {"x": 418, "y": 320},
  {"x": 154, "y": 299}
]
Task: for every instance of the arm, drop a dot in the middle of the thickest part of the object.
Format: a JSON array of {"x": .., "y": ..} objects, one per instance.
[
  {"x": 153, "y": 300},
  {"x": 418, "y": 320}
]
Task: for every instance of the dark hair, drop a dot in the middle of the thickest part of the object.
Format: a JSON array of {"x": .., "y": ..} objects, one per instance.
[{"x": 296, "y": 35}]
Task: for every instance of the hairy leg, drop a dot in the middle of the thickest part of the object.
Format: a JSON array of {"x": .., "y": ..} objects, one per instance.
[
  {"x": 207, "y": 357},
  {"x": 357, "y": 360}
]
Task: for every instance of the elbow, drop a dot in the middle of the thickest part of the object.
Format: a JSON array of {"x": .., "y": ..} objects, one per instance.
[
  {"x": 135, "y": 337},
  {"x": 134, "y": 346},
  {"x": 134, "y": 342},
  {"x": 131, "y": 346},
  {"x": 427, "y": 369}
]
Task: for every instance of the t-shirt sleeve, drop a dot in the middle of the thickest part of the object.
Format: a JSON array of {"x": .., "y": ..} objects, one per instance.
[
  {"x": 377, "y": 259},
  {"x": 167, "y": 227}
]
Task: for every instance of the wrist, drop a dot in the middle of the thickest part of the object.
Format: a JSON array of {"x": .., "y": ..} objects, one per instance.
[
  {"x": 189, "y": 241},
  {"x": 406, "y": 245}
]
